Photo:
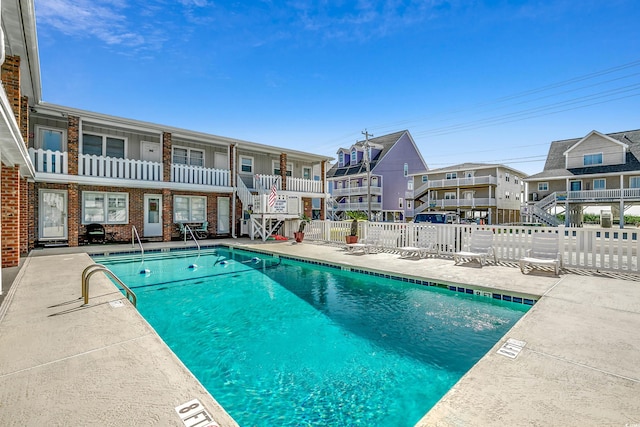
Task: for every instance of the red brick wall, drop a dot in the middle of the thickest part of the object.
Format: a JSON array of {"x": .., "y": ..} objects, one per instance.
[
  {"x": 32, "y": 216},
  {"x": 11, "y": 82},
  {"x": 24, "y": 217},
  {"x": 167, "y": 215},
  {"x": 10, "y": 194},
  {"x": 166, "y": 156},
  {"x": 74, "y": 207},
  {"x": 73, "y": 143},
  {"x": 10, "y": 175}
]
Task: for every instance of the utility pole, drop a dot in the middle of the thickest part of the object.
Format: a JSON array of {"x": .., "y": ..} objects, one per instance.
[{"x": 367, "y": 163}]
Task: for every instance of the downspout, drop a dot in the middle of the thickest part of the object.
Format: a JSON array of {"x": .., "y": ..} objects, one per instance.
[{"x": 233, "y": 151}]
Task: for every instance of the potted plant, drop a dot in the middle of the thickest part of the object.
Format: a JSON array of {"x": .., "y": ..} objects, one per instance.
[
  {"x": 355, "y": 216},
  {"x": 299, "y": 235}
]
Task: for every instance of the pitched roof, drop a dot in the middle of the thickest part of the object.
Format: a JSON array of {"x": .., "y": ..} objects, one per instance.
[
  {"x": 385, "y": 141},
  {"x": 554, "y": 166}
]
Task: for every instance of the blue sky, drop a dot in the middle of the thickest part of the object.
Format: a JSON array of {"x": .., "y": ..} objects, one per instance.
[{"x": 473, "y": 81}]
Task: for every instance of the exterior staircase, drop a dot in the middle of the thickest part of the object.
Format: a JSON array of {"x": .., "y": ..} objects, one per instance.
[{"x": 540, "y": 210}]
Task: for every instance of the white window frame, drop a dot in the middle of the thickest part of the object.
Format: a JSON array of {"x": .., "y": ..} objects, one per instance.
[
  {"x": 108, "y": 210},
  {"x": 39, "y": 130},
  {"x": 354, "y": 157},
  {"x": 307, "y": 168},
  {"x": 451, "y": 175},
  {"x": 405, "y": 170},
  {"x": 191, "y": 214},
  {"x": 409, "y": 185},
  {"x": 543, "y": 186},
  {"x": 634, "y": 182},
  {"x": 450, "y": 195},
  {"x": 507, "y": 177},
  {"x": 600, "y": 180},
  {"x": 592, "y": 156},
  {"x": 240, "y": 165},
  {"x": 188, "y": 157},
  {"x": 104, "y": 144},
  {"x": 275, "y": 167},
  {"x": 425, "y": 178},
  {"x": 341, "y": 158},
  {"x": 400, "y": 203}
]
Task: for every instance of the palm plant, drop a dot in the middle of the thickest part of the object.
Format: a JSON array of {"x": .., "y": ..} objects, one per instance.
[{"x": 355, "y": 216}]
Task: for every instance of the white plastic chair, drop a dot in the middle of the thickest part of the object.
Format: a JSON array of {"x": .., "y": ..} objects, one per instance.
[
  {"x": 480, "y": 247},
  {"x": 543, "y": 253},
  {"x": 425, "y": 245}
]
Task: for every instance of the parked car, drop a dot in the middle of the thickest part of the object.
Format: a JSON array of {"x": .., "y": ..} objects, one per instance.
[{"x": 437, "y": 217}]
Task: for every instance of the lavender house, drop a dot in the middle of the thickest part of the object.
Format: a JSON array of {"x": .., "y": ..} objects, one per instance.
[{"x": 374, "y": 176}]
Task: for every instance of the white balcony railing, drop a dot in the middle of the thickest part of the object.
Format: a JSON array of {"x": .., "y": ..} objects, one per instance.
[
  {"x": 300, "y": 185},
  {"x": 48, "y": 161},
  {"x": 353, "y": 191},
  {"x": 462, "y": 203},
  {"x": 303, "y": 185},
  {"x": 187, "y": 174},
  {"x": 111, "y": 167},
  {"x": 463, "y": 182},
  {"x": 357, "y": 206},
  {"x": 604, "y": 195}
]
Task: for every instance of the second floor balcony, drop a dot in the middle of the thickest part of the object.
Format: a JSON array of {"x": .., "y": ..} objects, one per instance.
[
  {"x": 298, "y": 185},
  {"x": 56, "y": 162},
  {"x": 448, "y": 204},
  {"x": 354, "y": 206},
  {"x": 358, "y": 191},
  {"x": 474, "y": 181}
]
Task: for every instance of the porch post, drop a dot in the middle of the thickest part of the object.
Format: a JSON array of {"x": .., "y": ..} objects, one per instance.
[{"x": 621, "y": 201}]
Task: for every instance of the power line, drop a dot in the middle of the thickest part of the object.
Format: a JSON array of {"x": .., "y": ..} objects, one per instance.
[{"x": 534, "y": 112}]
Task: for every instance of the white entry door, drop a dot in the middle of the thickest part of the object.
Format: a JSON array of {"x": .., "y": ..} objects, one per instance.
[
  {"x": 152, "y": 215},
  {"x": 223, "y": 215},
  {"x": 53, "y": 215}
]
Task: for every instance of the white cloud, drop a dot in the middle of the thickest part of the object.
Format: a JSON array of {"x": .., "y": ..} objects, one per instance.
[{"x": 102, "y": 19}]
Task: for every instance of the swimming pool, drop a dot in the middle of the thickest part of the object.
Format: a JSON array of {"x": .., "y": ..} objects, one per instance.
[{"x": 282, "y": 342}]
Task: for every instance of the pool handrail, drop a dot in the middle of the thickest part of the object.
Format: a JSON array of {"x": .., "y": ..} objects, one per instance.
[
  {"x": 188, "y": 229},
  {"x": 95, "y": 268},
  {"x": 134, "y": 235}
]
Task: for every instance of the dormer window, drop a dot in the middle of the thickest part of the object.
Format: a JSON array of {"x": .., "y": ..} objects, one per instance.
[
  {"x": 592, "y": 159},
  {"x": 354, "y": 157},
  {"x": 341, "y": 159}
]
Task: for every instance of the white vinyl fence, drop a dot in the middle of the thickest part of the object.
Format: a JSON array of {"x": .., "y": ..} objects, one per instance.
[{"x": 607, "y": 249}]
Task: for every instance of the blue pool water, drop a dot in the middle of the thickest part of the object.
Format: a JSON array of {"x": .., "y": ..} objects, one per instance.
[{"x": 284, "y": 343}]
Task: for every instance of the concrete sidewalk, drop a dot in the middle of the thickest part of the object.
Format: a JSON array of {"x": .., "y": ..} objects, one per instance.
[{"x": 65, "y": 364}]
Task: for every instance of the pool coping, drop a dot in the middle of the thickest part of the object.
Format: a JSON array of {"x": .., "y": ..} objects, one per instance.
[
  {"x": 509, "y": 296},
  {"x": 577, "y": 367}
]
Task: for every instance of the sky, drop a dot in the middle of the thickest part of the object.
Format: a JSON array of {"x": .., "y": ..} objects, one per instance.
[{"x": 471, "y": 80}]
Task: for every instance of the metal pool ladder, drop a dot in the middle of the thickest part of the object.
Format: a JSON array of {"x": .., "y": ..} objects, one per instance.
[
  {"x": 95, "y": 268},
  {"x": 188, "y": 229},
  {"x": 134, "y": 235}
]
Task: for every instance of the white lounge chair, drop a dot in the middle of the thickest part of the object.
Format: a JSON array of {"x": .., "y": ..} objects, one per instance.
[
  {"x": 544, "y": 253},
  {"x": 426, "y": 244},
  {"x": 368, "y": 245},
  {"x": 480, "y": 247}
]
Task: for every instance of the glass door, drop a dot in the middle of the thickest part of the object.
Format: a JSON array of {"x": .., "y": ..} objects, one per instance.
[{"x": 53, "y": 215}]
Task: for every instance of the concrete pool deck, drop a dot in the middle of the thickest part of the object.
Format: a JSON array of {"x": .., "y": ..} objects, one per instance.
[{"x": 66, "y": 364}]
